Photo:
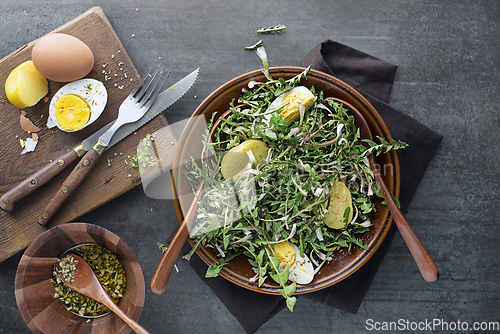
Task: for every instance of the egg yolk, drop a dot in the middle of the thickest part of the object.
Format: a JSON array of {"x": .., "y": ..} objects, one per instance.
[
  {"x": 291, "y": 109},
  {"x": 72, "y": 112},
  {"x": 285, "y": 253}
]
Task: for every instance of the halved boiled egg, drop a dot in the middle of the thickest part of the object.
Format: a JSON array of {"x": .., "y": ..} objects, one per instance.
[
  {"x": 77, "y": 105},
  {"x": 301, "y": 270},
  {"x": 290, "y": 101}
]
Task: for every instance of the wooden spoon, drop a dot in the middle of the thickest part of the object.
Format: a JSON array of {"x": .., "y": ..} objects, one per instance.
[
  {"x": 424, "y": 261},
  {"x": 86, "y": 282}
]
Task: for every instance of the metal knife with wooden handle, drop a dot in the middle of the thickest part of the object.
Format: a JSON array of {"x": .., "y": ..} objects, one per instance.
[
  {"x": 135, "y": 105},
  {"x": 163, "y": 101}
]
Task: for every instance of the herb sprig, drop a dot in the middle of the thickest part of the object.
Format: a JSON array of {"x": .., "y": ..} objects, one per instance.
[
  {"x": 255, "y": 46},
  {"x": 277, "y": 29},
  {"x": 145, "y": 157}
]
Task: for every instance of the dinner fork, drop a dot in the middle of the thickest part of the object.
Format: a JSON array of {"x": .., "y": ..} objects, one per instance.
[{"x": 135, "y": 105}]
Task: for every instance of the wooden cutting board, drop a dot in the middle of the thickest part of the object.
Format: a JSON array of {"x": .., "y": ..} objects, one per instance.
[{"x": 20, "y": 227}]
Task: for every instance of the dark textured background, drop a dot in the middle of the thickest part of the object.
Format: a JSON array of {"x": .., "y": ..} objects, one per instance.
[{"x": 448, "y": 78}]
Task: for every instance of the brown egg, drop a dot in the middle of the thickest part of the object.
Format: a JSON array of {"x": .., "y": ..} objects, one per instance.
[{"x": 62, "y": 57}]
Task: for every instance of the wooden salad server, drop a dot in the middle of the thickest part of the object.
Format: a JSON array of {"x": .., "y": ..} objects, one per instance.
[
  {"x": 86, "y": 282},
  {"x": 164, "y": 268},
  {"x": 163, "y": 271},
  {"x": 424, "y": 261}
]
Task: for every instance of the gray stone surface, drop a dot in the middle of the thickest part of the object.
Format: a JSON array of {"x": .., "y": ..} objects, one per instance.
[{"x": 448, "y": 78}]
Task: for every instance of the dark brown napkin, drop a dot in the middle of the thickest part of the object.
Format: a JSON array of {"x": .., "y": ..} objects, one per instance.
[{"x": 373, "y": 78}]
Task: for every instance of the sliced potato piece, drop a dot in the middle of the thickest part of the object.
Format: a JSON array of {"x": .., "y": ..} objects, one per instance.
[
  {"x": 237, "y": 158},
  {"x": 25, "y": 86},
  {"x": 340, "y": 200}
]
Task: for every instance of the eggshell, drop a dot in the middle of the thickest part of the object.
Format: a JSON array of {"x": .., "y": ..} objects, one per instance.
[
  {"x": 27, "y": 125},
  {"x": 61, "y": 57}
]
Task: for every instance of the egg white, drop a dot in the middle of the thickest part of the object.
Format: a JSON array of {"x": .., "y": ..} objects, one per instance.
[
  {"x": 93, "y": 91},
  {"x": 302, "y": 270}
]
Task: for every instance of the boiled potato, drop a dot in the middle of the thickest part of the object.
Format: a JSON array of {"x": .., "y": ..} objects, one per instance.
[
  {"x": 25, "y": 86},
  {"x": 236, "y": 159},
  {"x": 340, "y": 200}
]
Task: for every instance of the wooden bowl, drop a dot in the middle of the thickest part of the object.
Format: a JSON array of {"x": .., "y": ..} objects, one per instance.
[
  {"x": 239, "y": 271},
  {"x": 35, "y": 292}
]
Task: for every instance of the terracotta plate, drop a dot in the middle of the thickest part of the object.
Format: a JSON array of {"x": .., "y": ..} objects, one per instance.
[{"x": 239, "y": 271}]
